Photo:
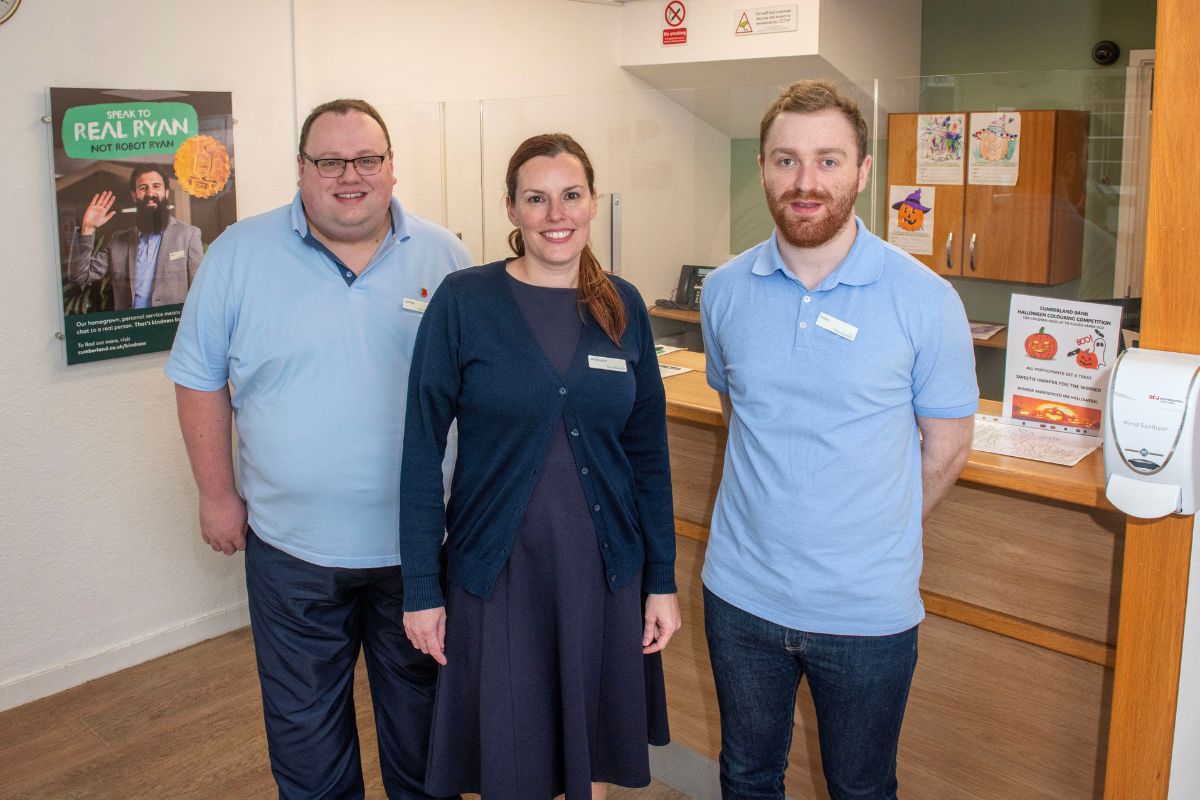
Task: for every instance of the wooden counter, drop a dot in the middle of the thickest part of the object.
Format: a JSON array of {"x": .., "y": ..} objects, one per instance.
[
  {"x": 690, "y": 399},
  {"x": 998, "y": 340},
  {"x": 677, "y": 314},
  {"x": 1021, "y": 582}
]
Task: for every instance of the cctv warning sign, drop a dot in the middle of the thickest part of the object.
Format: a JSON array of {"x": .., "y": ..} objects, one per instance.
[{"x": 772, "y": 19}]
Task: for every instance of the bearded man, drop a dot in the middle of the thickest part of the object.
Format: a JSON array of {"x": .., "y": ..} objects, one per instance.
[
  {"x": 831, "y": 350},
  {"x": 152, "y": 263}
]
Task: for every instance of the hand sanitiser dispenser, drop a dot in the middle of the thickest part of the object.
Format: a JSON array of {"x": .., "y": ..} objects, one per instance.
[{"x": 1152, "y": 442}]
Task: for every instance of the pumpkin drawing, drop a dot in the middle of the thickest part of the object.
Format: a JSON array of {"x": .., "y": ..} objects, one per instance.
[
  {"x": 1041, "y": 345},
  {"x": 910, "y": 214},
  {"x": 995, "y": 142},
  {"x": 1087, "y": 359},
  {"x": 992, "y": 144},
  {"x": 910, "y": 218}
]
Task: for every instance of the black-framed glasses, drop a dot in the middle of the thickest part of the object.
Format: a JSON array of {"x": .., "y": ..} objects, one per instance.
[{"x": 336, "y": 167}]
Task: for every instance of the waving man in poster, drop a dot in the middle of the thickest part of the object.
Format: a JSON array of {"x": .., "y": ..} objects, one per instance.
[{"x": 150, "y": 264}]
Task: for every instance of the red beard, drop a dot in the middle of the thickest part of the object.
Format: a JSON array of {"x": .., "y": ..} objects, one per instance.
[{"x": 812, "y": 232}]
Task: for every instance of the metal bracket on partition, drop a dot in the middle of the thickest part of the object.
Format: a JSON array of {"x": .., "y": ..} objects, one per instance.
[
  {"x": 614, "y": 237},
  {"x": 47, "y": 119}
]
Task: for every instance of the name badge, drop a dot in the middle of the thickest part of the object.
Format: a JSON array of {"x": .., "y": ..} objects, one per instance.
[
  {"x": 610, "y": 364},
  {"x": 178, "y": 254},
  {"x": 835, "y": 325},
  {"x": 418, "y": 306}
]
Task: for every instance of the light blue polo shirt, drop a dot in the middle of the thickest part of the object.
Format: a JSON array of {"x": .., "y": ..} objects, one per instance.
[
  {"x": 318, "y": 372},
  {"x": 817, "y": 523}
]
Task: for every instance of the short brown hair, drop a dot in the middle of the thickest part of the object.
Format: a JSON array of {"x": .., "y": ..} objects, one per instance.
[
  {"x": 807, "y": 97},
  {"x": 343, "y": 106}
]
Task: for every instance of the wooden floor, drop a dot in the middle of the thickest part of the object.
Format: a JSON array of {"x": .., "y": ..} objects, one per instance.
[{"x": 188, "y": 725}]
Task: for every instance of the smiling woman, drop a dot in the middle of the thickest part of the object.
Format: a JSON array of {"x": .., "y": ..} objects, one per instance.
[
  {"x": 560, "y": 539},
  {"x": 553, "y": 209},
  {"x": 552, "y": 201}
]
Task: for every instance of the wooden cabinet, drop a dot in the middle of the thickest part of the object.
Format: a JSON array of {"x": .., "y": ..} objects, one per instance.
[{"x": 1031, "y": 232}]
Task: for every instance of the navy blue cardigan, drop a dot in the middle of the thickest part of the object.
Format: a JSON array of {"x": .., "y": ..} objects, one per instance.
[{"x": 476, "y": 361}]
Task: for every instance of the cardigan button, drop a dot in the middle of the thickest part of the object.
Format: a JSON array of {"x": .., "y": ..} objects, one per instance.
[
  {"x": 584, "y": 470},
  {"x": 596, "y": 507},
  {"x": 562, "y": 390},
  {"x": 574, "y": 431},
  {"x": 612, "y": 578}
]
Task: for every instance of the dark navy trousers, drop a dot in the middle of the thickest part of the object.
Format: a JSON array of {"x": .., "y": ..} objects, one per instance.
[{"x": 309, "y": 623}]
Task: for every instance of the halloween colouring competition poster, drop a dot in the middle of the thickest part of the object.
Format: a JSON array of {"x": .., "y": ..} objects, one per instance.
[
  {"x": 143, "y": 183},
  {"x": 1057, "y": 362},
  {"x": 910, "y": 218}
]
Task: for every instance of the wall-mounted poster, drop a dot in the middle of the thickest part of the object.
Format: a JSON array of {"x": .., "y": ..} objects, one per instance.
[
  {"x": 143, "y": 182},
  {"x": 995, "y": 148},
  {"x": 910, "y": 225},
  {"x": 940, "y": 148}
]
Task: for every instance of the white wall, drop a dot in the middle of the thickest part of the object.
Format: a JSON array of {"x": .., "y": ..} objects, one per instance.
[
  {"x": 500, "y": 72},
  {"x": 102, "y": 563},
  {"x": 866, "y": 39}
]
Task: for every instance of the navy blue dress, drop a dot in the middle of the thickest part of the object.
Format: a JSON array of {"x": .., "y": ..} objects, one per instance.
[{"x": 546, "y": 689}]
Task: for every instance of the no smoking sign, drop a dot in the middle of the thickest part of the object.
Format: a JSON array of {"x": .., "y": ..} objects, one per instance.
[{"x": 673, "y": 14}]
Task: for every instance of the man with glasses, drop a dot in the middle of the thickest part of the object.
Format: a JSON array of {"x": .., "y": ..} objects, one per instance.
[{"x": 310, "y": 312}]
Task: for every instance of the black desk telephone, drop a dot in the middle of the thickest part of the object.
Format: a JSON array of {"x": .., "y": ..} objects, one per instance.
[{"x": 691, "y": 282}]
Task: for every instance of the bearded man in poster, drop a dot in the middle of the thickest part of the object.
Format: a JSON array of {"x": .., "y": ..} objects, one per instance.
[{"x": 150, "y": 264}]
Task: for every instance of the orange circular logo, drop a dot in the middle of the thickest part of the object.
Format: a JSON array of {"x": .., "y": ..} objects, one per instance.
[{"x": 202, "y": 166}]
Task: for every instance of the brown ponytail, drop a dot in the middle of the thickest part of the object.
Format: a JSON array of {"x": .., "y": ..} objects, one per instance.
[{"x": 596, "y": 291}]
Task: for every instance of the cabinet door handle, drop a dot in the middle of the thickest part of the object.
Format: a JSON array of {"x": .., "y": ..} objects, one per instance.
[
  {"x": 972, "y": 249},
  {"x": 949, "y": 251}
]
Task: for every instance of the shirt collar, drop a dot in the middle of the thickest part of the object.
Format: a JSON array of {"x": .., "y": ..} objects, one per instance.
[
  {"x": 399, "y": 219},
  {"x": 861, "y": 266}
]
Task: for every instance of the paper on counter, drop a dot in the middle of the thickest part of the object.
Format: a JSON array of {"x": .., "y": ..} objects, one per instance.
[
  {"x": 663, "y": 349},
  {"x": 993, "y": 435},
  {"x": 667, "y": 370},
  {"x": 984, "y": 330}
]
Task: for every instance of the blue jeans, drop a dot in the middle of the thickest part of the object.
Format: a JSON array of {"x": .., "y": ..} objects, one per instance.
[
  {"x": 859, "y": 686},
  {"x": 309, "y": 623}
]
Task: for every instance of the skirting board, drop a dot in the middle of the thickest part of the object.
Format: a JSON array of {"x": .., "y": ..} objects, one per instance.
[{"x": 56, "y": 679}]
